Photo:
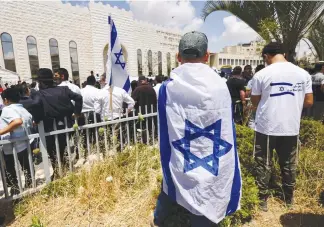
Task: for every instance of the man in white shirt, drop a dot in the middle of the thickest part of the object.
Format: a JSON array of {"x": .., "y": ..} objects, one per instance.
[
  {"x": 159, "y": 80},
  {"x": 89, "y": 94},
  {"x": 279, "y": 91},
  {"x": 109, "y": 103},
  {"x": 61, "y": 77}
]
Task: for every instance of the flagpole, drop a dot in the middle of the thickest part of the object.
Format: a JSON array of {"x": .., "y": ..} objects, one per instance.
[{"x": 109, "y": 59}]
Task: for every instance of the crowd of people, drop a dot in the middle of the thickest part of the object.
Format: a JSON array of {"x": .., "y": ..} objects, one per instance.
[
  {"x": 52, "y": 99},
  {"x": 191, "y": 97}
]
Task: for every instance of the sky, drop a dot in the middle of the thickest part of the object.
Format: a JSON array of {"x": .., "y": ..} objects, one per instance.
[{"x": 222, "y": 28}]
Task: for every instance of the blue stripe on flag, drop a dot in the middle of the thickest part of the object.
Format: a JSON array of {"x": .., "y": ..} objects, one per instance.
[
  {"x": 110, "y": 81},
  {"x": 237, "y": 184},
  {"x": 282, "y": 93},
  {"x": 113, "y": 35},
  {"x": 165, "y": 147},
  {"x": 281, "y": 83},
  {"x": 127, "y": 85}
]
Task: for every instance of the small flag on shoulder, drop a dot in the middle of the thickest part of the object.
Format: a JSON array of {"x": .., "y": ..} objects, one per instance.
[{"x": 116, "y": 65}]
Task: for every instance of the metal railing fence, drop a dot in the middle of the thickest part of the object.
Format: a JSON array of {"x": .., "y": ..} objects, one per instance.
[{"x": 94, "y": 138}]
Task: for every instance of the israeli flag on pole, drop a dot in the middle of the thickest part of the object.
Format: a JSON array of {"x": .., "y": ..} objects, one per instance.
[
  {"x": 197, "y": 138},
  {"x": 116, "y": 65}
]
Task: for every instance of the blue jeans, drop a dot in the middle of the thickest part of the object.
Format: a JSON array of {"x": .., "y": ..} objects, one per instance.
[{"x": 166, "y": 208}]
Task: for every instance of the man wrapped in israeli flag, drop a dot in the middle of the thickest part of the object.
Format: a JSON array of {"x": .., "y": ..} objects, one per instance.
[{"x": 199, "y": 158}]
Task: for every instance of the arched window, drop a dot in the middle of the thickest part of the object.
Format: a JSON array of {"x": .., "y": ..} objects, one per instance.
[
  {"x": 74, "y": 62},
  {"x": 33, "y": 55},
  {"x": 169, "y": 63},
  {"x": 139, "y": 62},
  {"x": 8, "y": 52},
  {"x": 54, "y": 51},
  {"x": 160, "y": 63},
  {"x": 149, "y": 61}
]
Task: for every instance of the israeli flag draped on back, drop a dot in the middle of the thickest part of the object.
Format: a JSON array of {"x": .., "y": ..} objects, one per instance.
[
  {"x": 116, "y": 65},
  {"x": 198, "y": 143}
]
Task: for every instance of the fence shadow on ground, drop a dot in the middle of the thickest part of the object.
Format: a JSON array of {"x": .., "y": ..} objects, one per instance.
[{"x": 302, "y": 220}]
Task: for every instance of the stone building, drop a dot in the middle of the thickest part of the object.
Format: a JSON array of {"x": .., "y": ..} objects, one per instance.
[
  {"x": 42, "y": 34},
  {"x": 239, "y": 55}
]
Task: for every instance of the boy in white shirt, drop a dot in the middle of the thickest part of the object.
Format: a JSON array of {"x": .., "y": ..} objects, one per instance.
[
  {"x": 279, "y": 91},
  {"x": 17, "y": 121}
]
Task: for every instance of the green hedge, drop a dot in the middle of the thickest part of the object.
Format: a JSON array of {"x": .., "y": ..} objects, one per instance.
[{"x": 249, "y": 201}]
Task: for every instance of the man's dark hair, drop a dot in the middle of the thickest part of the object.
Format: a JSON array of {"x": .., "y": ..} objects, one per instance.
[
  {"x": 259, "y": 67},
  {"x": 91, "y": 80},
  {"x": 237, "y": 70},
  {"x": 84, "y": 84},
  {"x": 247, "y": 66},
  {"x": 142, "y": 78},
  {"x": 63, "y": 72},
  {"x": 6, "y": 84},
  {"x": 133, "y": 85},
  {"x": 159, "y": 79},
  {"x": 33, "y": 85},
  {"x": 23, "y": 89},
  {"x": 91, "y": 72},
  {"x": 273, "y": 49},
  {"x": 11, "y": 94}
]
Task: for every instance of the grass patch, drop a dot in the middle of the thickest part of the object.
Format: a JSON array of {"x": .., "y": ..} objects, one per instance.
[
  {"x": 103, "y": 187},
  {"x": 122, "y": 190}
]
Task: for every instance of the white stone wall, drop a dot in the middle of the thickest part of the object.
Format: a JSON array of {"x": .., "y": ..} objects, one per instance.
[{"x": 88, "y": 27}]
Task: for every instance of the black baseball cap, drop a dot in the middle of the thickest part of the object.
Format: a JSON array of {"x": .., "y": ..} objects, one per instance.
[{"x": 193, "y": 45}]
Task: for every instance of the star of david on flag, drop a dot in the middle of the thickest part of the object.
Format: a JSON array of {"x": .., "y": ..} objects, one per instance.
[
  {"x": 118, "y": 60},
  {"x": 116, "y": 74},
  {"x": 212, "y": 132}
]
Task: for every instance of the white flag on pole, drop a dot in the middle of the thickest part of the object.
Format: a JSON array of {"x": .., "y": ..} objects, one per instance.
[{"x": 116, "y": 74}]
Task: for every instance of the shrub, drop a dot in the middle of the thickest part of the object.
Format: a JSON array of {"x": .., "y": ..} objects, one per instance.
[
  {"x": 312, "y": 134},
  {"x": 249, "y": 200}
]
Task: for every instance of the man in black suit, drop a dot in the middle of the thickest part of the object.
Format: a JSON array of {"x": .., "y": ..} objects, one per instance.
[{"x": 56, "y": 104}]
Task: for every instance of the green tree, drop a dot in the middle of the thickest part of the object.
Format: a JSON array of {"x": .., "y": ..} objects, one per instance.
[
  {"x": 316, "y": 37},
  {"x": 293, "y": 19}
]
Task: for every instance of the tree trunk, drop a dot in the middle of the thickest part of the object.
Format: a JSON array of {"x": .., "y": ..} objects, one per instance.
[{"x": 290, "y": 51}]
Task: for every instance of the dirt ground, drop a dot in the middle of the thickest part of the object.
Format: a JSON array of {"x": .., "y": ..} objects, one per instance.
[
  {"x": 279, "y": 215},
  {"x": 135, "y": 213}
]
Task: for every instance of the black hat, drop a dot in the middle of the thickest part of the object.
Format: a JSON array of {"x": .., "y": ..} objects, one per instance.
[
  {"x": 140, "y": 78},
  {"x": 44, "y": 74},
  {"x": 193, "y": 45}
]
